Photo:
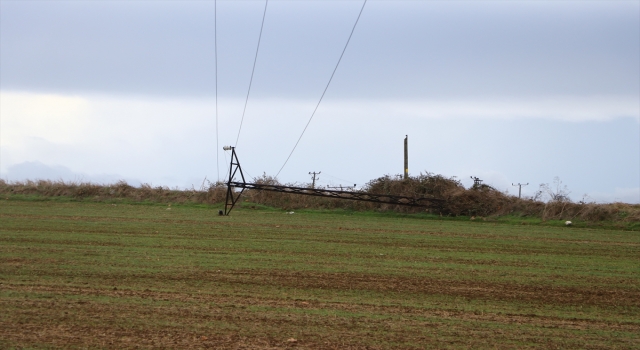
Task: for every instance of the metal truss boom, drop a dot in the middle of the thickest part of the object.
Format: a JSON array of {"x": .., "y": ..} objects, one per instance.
[{"x": 233, "y": 196}]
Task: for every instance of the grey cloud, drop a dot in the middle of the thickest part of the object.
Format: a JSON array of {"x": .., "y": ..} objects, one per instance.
[{"x": 400, "y": 49}]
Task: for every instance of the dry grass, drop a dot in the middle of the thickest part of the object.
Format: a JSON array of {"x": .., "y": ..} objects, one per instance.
[
  {"x": 482, "y": 201},
  {"x": 213, "y": 193}
]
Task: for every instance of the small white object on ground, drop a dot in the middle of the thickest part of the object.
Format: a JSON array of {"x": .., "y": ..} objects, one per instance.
[
  {"x": 290, "y": 212},
  {"x": 568, "y": 223}
]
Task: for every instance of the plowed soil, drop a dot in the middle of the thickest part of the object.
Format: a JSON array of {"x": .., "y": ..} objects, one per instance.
[{"x": 96, "y": 275}]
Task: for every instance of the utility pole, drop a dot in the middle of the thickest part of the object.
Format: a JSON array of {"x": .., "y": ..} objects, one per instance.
[
  {"x": 476, "y": 182},
  {"x": 519, "y": 188},
  {"x": 406, "y": 157},
  {"x": 313, "y": 184}
]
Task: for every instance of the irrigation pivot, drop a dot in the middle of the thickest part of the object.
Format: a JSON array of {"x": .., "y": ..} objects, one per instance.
[
  {"x": 233, "y": 195},
  {"x": 234, "y": 168}
]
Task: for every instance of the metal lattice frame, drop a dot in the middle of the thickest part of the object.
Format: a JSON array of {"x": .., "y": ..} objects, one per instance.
[{"x": 233, "y": 196}]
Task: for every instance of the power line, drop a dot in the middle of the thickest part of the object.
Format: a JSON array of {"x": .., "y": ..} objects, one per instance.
[
  {"x": 337, "y": 178},
  {"x": 252, "y": 71},
  {"x": 325, "y": 89},
  {"x": 215, "y": 40}
]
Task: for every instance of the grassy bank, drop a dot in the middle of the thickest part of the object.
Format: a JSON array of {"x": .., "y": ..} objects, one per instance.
[
  {"x": 511, "y": 219},
  {"x": 482, "y": 202}
]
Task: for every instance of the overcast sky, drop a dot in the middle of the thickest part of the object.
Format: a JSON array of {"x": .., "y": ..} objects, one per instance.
[{"x": 509, "y": 91}]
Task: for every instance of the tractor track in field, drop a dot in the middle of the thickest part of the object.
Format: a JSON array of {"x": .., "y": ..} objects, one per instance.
[
  {"x": 82, "y": 316},
  {"x": 221, "y": 301},
  {"x": 471, "y": 289}
]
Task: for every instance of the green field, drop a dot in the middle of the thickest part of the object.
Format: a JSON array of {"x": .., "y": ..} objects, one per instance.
[{"x": 104, "y": 275}]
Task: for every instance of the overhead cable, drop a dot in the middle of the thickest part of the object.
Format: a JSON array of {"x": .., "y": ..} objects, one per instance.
[
  {"x": 325, "y": 89},
  {"x": 252, "y": 71},
  {"x": 215, "y": 40}
]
